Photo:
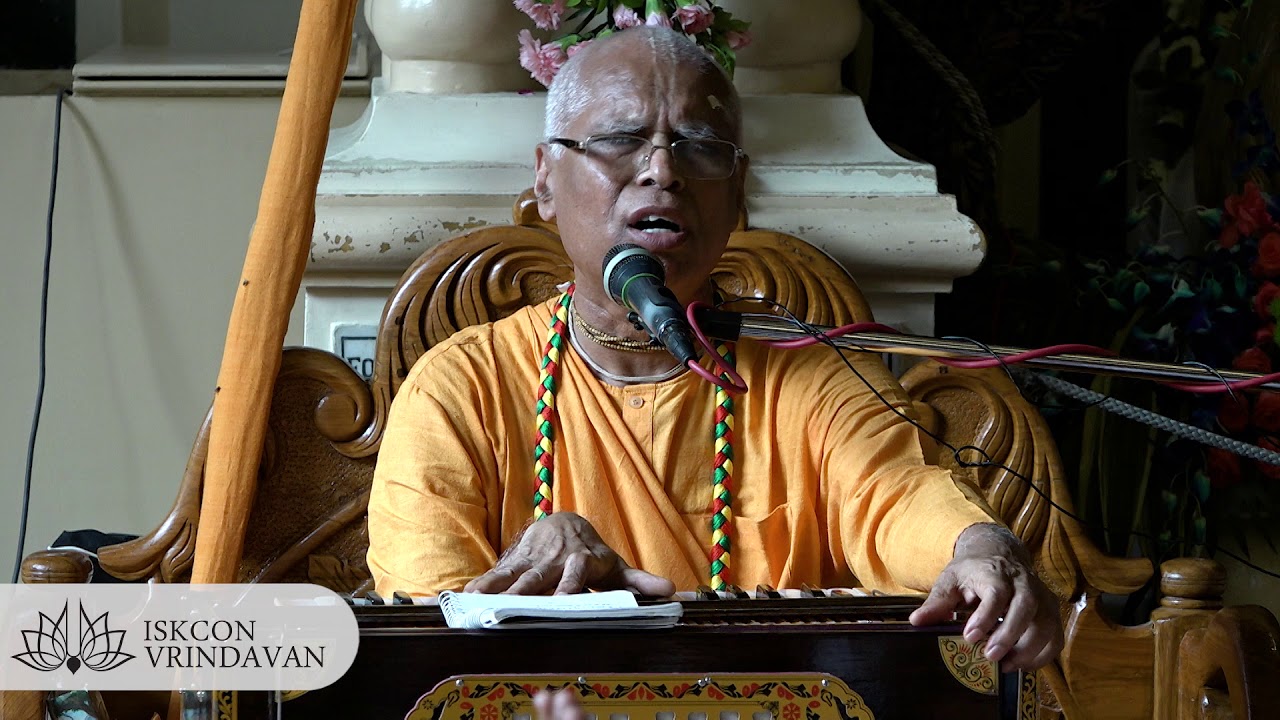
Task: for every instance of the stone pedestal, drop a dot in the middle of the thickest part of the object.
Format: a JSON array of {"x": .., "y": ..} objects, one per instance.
[{"x": 439, "y": 152}]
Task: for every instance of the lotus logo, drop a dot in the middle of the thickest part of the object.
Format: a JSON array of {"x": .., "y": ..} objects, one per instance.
[{"x": 49, "y": 647}]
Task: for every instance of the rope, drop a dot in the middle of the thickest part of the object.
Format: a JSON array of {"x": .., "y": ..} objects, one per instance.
[{"x": 1160, "y": 422}]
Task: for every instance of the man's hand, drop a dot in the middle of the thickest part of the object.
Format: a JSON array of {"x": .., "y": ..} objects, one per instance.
[
  {"x": 562, "y": 552},
  {"x": 1016, "y": 613}
]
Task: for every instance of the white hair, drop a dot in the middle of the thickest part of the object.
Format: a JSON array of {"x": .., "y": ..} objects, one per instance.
[{"x": 569, "y": 94}]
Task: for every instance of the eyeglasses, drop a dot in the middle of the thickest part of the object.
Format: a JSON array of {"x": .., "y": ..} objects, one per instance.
[{"x": 696, "y": 159}]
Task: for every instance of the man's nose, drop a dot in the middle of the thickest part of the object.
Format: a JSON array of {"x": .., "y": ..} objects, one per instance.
[{"x": 659, "y": 168}]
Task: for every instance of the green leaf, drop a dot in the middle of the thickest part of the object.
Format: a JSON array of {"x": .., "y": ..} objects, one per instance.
[
  {"x": 573, "y": 3},
  {"x": 1107, "y": 176},
  {"x": 1212, "y": 290},
  {"x": 1211, "y": 217},
  {"x": 1230, "y": 75},
  {"x": 1219, "y": 32},
  {"x": 1116, "y": 305},
  {"x": 1275, "y": 308},
  {"x": 1200, "y": 481},
  {"x": 1140, "y": 291},
  {"x": 1136, "y": 215}
]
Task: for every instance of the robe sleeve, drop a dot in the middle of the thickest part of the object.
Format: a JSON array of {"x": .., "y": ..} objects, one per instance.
[
  {"x": 435, "y": 501},
  {"x": 892, "y": 519}
]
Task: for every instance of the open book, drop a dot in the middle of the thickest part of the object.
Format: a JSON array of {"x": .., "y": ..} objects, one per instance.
[{"x": 613, "y": 609}]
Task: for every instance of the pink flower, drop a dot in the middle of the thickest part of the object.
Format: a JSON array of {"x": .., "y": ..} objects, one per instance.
[
  {"x": 624, "y": 17},
  {"x": 542, "y": 61},
  {"x": 738, "y": 39},
  {"x": 658, "y": 19},
  {"x": 695, "y": 18},
  {"x": 546, "y": 15}
]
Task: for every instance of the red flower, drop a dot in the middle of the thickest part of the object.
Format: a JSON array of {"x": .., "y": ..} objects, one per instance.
[
  {"x": 1262, "y": 301},
  {"x": 1247, "y": 215},
  {"x": 500, "y": 692},
  {"x": 1224, "y": 468},
  {"x": 1266, "y": 412},
  {"x": 1267, "y": 469},
  {"x": 489, "y": 712},
  {"x": 1268, "y": 263},
  {"x": 1254, "y": 360},
  {"x": 791, "y": 711},
  {"x": 1233, "y": 413},
  {"x": 1265, "y": 335}
]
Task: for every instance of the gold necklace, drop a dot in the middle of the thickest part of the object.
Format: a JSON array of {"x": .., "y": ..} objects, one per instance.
[{"x": 605, "y": 339}]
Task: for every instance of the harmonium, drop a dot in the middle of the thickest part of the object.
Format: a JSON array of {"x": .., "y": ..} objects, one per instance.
[{"x": 807, "y": 654}]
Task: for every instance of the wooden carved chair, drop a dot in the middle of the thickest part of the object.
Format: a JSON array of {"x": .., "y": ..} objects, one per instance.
[{"x": 308, "y": 522}]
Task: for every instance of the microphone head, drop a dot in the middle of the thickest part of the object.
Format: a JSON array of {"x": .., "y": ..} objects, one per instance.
[{"x": 625, "y": 262}]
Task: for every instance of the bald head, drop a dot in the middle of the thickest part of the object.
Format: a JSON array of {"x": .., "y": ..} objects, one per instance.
[{"x": 612, "y": 65}]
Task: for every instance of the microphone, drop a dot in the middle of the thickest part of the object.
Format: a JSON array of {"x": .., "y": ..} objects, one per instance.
[{"x": 635, "y": 279}]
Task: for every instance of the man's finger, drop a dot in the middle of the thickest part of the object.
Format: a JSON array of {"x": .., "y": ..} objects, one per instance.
[
  {"x": 534, "y": 581},
  {"x": 647, "y": 584},
  {"x": 495, "y": 581},
  {"x": 1022, "y": 610},
  {"x": 542, "y": 704},
  {"x": 994, "y": 603},
  {"x": 565, "y": 706},
  {"x": 1046, "y": 654},
  {"x": 573, "y": 579},
  {"x": 942, "y": 601}
]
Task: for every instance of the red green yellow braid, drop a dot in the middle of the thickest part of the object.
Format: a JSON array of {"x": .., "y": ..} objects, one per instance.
[
  {"x": 544, "y": 442},
  {"x": 544, "y": 438},
  {"x": 722, "y": 479}
]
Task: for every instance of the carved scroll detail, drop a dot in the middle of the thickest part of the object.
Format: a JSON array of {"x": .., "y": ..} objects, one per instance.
[
  {"x": 967, "y": 664},
  {"x": 985, "y": 409}
]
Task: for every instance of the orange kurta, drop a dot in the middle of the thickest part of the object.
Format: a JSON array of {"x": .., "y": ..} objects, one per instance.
[{"x": 829, "y": 483}]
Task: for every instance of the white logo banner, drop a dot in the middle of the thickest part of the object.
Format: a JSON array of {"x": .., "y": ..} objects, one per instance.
[{"x": 173, "y": 637}]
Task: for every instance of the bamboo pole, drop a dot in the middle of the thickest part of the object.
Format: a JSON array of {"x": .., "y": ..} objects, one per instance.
[{"x": 268, "y": 286}]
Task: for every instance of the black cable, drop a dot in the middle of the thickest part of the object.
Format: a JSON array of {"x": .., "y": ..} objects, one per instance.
[
  {"x": 44, "y": 316},
  {"x": 986, "y": 461}
]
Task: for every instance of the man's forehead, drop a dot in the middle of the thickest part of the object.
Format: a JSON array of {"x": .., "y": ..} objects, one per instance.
[{"x": 625, "y": 101}]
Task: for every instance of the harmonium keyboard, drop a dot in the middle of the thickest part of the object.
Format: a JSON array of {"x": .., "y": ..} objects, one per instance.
[{"x": 793, "y": 655}]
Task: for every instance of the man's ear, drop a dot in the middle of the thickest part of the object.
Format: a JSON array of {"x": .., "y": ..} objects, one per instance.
[{"x": 541, "y": 184}]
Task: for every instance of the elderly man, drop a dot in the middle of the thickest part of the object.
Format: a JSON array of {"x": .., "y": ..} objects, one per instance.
[{"x": 830, "y": 485}]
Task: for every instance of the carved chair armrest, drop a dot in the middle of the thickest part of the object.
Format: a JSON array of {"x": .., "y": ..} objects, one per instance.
[
  {"x": 1231, "y": 668},
  {"x": 57, "y": 566}
]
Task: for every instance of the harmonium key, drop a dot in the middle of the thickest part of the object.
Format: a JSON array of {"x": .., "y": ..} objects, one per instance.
[{"x": 765, "y": 654}]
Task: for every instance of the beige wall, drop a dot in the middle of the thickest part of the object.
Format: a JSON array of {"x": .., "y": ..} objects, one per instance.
[{"x": 155, "y": 201}]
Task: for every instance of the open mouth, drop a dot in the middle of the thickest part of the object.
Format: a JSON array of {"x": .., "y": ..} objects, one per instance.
[{"x": 655, "y": 224}]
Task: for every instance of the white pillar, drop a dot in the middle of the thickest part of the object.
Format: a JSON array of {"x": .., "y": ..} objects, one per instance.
[{"x": 442, "y": 149}]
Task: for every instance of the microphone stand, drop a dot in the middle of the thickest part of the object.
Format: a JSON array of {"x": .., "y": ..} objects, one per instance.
[{"x": 730, "y": 326}]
